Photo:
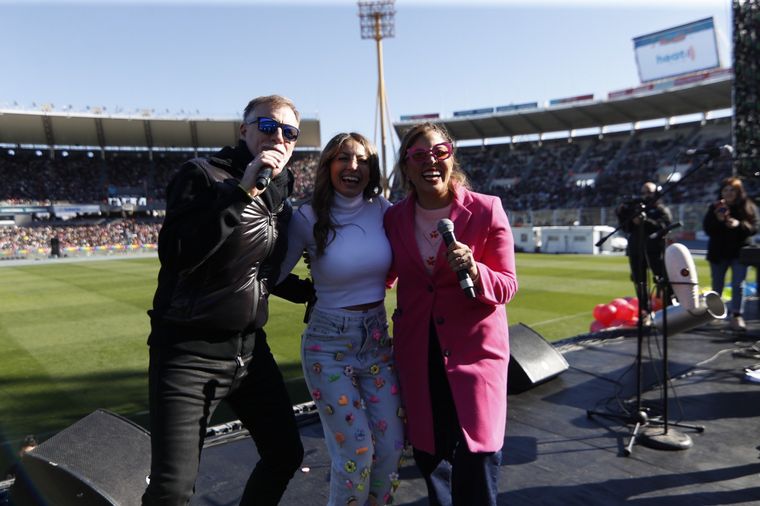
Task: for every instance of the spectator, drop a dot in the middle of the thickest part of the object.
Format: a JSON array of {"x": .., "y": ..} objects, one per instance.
[
  {"x": 55, "y": 246},
  {"x": 729, "y": 223},
  {"x": 639, "y": 219}
]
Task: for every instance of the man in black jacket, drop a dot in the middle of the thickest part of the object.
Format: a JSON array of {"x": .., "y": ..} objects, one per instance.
[
  {"x": 641, "y": 218},
  {"x": 220, "y": 247}
]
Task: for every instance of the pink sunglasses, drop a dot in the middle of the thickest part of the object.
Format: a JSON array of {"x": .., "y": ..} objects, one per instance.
[{"x": 440, "y": 152}]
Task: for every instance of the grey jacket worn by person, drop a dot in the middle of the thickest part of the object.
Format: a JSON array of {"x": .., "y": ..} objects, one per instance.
[{"x": 218, "y": 250}]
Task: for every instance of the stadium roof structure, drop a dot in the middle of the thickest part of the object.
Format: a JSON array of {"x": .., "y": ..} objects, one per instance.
[
  {"x": 695, "y": 95},
  {"x": 68, "y": 130}
]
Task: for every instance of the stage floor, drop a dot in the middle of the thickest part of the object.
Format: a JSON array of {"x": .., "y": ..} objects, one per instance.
[{"x": 556, "y": 454}]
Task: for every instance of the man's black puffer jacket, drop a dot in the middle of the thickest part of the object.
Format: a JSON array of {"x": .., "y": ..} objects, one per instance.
[{"x": 218, "y": 248}]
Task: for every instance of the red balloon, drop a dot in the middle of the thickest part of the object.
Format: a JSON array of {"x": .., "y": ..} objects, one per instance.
[
  {"x": 624, "y": 310},
  {"x": 596, "y": 326},
  {"x": 604, "y": 313},
  {"x": 634, "y": 303}
]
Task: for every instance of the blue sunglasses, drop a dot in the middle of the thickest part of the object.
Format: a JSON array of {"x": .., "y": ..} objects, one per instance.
[{"x": 270, "y": 126}]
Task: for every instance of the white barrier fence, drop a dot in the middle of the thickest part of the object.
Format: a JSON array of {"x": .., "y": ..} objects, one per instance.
[{"x": 570, "y": 239}]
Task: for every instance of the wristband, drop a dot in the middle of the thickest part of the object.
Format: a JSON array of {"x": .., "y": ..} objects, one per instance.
[{"x": 244, "y": 190}]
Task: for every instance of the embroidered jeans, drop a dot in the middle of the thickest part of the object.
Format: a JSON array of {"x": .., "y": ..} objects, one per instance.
[{"x": 349, "y": 369}]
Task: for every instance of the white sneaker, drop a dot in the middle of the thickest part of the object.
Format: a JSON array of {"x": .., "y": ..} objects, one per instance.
[{"x": 737, "y": 323}]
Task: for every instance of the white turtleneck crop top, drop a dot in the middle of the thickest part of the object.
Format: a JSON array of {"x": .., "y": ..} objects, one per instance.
[{"x": 353, "y": 268}]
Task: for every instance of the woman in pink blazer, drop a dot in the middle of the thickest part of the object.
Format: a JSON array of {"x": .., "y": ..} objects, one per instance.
[{"x": 451, "y": 350}]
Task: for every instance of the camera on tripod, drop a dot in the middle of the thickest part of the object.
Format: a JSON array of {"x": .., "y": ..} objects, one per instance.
[{"x": 630, "y": 209}]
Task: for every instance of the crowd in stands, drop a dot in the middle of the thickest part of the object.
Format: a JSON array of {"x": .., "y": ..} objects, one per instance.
[
  {"x": 303, "y": 166},
  {"x": 90, "y": 234},
  {"x": 599, "y": 172},
  {"x": 90, "y": 177},
  {"x": 78, "y": 177},
  {"x": 32, "y": 177},
  {"x": 579, "y": 173}
]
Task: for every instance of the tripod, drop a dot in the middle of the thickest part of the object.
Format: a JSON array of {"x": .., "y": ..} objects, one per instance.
[
  {"x": 651, "y": 431},
  {"x": 656, "y": 432}
]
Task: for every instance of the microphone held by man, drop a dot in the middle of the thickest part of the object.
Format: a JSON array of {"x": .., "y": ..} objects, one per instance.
[
  {"x": 262, "y": 180},
  {"x": 262, "y": 169},
  {"x": 446, "y": 229}
]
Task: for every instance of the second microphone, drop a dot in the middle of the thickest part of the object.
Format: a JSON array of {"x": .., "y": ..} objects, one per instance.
[{"x": 446, "y": 229}]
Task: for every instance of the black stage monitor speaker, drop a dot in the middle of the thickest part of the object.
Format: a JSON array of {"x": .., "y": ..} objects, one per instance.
[
  {"x": 103, "y": 459},
  {"x": 532, "y": 359}
]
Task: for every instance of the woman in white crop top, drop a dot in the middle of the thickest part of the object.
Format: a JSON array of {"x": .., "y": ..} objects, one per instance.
[{"x": 346, "y": 351}]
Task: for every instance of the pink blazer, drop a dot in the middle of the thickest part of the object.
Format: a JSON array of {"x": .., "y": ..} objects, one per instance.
[{"x": 473, "y": 334}]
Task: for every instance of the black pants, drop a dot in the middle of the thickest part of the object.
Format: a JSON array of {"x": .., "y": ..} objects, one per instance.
[
  {"x": 185, "y": 389},
  {"x": 652, "y": 259},
  {"x": 454, "y": 475}
]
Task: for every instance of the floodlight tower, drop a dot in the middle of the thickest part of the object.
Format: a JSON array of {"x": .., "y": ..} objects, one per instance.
[{"x": 376, "y": 19}]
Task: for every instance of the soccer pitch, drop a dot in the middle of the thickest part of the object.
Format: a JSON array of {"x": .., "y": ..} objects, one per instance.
[{"x": 73, "y": 333}]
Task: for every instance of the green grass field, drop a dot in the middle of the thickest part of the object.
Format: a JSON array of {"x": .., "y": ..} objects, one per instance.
[{"x": 73, "y": 334}]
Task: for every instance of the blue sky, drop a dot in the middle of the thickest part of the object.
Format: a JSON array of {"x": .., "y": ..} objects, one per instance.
[{"x": 209, "y": 58}]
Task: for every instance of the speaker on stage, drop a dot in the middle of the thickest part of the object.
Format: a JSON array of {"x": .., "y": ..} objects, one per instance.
[
  {"x": 532, "y": 359},
  {"x": 103, "y": 459}
]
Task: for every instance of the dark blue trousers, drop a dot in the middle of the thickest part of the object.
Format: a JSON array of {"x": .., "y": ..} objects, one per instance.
[
  {"x": 186, "y": 388},
  {"x": 454, "y": 476}
]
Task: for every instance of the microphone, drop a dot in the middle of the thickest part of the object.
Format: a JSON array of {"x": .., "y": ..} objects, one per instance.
[
  {"x": 716, "y": 152},
  {"x": 263, "y": 178},
  {"x": 446, "y": 229},
  {"x": 662, "y": 233}
]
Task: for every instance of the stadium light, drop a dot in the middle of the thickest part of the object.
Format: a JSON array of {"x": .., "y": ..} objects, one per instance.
[{"x": 376, "y": 20}]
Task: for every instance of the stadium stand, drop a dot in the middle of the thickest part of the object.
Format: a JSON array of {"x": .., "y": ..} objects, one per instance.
[
  {"x": 553, "y": 182},
  {"x": 113, "y": 203},
  {"x": 591, "y": 172},
  {"x": 564, "y": 180},
  {"x": 581, "y": 180},
  {"x": 31, "y": 176}
]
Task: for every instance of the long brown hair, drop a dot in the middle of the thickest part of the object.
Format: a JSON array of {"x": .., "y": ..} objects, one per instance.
[
  {"x": 323, "y": 197},
  {"x": 742, "y": 201},
  {"x": 458, "y": 176}
]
